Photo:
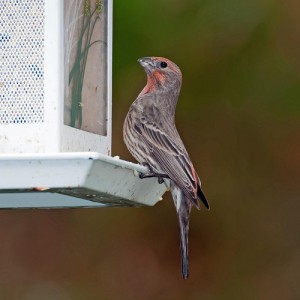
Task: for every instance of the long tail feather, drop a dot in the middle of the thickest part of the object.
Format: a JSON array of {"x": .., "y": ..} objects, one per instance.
[
  {"x": 183, "y": 217},
  {"x": 183, "y": 207}
]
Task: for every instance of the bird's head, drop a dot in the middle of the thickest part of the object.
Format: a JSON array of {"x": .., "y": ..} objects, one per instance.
[{"x": 161, "y": 72}]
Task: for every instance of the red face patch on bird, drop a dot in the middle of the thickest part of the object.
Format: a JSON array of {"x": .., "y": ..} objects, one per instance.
[
  {"x": 159, "y": 76},
  {"x": 153, "y": 78},
  {"x": 161, "y": 72}
]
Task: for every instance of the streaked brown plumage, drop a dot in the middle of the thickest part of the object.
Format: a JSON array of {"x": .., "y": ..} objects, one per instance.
[{"x": 151, "y": 137}]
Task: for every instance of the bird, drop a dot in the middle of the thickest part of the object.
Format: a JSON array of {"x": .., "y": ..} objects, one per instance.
[{"x": 151, "y": 136}]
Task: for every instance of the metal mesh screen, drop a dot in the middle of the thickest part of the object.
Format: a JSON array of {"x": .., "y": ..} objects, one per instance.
[{"x": 21, "y": 61}]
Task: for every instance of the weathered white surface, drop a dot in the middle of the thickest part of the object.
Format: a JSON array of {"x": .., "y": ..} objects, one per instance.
[{"x": 91, "y": 176}]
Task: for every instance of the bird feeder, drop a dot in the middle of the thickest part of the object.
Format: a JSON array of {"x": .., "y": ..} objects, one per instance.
[{"x": 55, "y": 109}]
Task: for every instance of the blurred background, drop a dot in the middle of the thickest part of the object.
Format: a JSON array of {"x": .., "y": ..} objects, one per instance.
[{"x": 238, "y": 115}]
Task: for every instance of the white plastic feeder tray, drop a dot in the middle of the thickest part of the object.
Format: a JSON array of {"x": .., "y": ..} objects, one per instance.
[
  {"x": 82, "y": 179},
  {"x": 55, "y": 109}
]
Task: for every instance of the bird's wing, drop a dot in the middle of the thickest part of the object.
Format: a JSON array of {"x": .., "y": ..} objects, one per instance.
[{"x": 167, "y": 149}]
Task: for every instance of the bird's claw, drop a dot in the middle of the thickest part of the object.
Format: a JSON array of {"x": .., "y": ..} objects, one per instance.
[
  {"x": 152, "y": 174},
  {"x": 160, "y": 180},
  {"x": 141, "y": 176}
]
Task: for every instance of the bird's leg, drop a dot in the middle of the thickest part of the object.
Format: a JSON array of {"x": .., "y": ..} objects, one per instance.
[
  {"x": 159, "y": 176},
  {"x": 153, "y": 174}
]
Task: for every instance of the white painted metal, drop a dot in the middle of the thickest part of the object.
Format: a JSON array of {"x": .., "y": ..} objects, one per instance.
[
  {"x": 49, "y": 134},
  {"x": 87, "y": 175}
]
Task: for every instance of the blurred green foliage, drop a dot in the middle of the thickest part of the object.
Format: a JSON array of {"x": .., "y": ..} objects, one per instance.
[
  {"x": 233, "y": 52},
  {"x": 239, "y": 117}
]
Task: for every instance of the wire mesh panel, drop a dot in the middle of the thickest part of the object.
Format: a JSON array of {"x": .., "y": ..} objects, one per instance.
[{"x": 22, "y": 61}]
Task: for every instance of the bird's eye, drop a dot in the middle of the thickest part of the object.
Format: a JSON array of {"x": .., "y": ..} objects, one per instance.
[{"x": 163, "y": 64}]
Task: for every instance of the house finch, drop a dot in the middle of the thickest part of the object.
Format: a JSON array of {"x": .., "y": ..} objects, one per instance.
[{"x": 151, "y": 137}]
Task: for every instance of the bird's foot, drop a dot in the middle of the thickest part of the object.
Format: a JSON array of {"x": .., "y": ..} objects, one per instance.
[{"x": 153, "y": 174}]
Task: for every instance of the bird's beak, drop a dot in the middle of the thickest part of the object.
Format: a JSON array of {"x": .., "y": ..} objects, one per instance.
[{"x": 147, "y": 63}]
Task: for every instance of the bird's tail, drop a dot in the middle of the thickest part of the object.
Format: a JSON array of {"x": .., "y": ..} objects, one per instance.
[{"x": 183, "y": 207}]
